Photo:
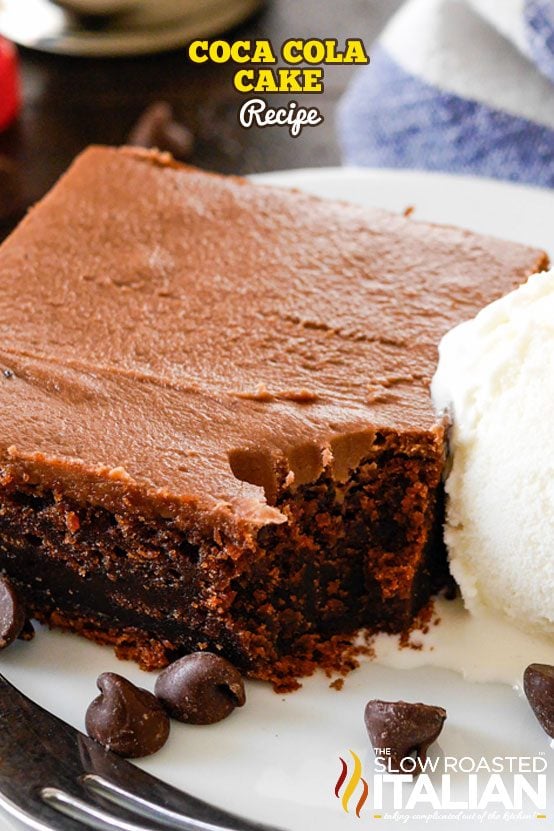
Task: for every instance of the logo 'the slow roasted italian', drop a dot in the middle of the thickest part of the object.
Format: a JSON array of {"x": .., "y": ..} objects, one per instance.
[
  {"x": 477, "y": 784},
  {"x": 348, "y": 784}
]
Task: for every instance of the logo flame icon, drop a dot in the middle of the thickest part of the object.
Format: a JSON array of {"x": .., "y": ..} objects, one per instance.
[{"x": 355, "y": 779}]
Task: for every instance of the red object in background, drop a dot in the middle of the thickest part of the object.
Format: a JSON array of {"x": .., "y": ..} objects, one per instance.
[{"x": 9, "y": 84}]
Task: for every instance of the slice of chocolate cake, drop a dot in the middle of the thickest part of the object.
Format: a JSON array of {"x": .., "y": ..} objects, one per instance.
[{"x": 216, "y": 427}]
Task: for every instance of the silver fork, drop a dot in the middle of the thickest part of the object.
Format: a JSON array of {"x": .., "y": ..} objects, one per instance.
[{"x": 53, "y": 778}]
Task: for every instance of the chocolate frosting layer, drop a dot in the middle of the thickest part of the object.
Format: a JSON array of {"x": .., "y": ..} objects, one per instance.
[{"x": 197, "y": 337}]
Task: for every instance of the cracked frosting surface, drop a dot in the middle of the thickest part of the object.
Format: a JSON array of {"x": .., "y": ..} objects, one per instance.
[{"x": 189, "y": 331}]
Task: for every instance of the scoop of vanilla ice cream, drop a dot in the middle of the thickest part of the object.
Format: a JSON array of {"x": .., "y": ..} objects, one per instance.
[{"x": 496, "y": 378}]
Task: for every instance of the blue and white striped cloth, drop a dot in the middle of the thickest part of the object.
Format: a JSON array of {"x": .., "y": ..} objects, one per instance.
[{"x": 465, "y": 86}]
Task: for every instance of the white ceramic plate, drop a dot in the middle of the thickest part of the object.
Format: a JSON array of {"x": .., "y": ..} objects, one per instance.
[{"x": 277, "y": 759}]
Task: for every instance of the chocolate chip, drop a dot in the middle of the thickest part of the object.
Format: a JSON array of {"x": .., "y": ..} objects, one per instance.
[
  {"x": 200, "y": 689},
  {"x": 12, "y": 613},
  {"x": 538, "y": 683},
  {"x": 404, "y": 729},
  {"x": 157, "y": 128},
  {"x": 126, "y": 719}
]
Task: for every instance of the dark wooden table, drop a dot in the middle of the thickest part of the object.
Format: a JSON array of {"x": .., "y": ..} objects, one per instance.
[{"x": 72, "y": 102}]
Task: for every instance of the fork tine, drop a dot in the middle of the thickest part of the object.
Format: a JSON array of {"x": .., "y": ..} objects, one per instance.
[
  {"x": 88, "y": 815},
  {"x": 136, "y": 790},
  {"x": 145, "y": 808},
  {"x": 30, "y": 819}
]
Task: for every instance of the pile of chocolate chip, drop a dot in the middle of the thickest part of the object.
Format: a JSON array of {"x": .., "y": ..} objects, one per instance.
[{"x": 201, "y": 688}]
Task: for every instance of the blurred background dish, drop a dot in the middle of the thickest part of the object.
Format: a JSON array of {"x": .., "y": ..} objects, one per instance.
[
  {"x": 142, "y": 26},
  {"x": 101, "y": 7}
]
